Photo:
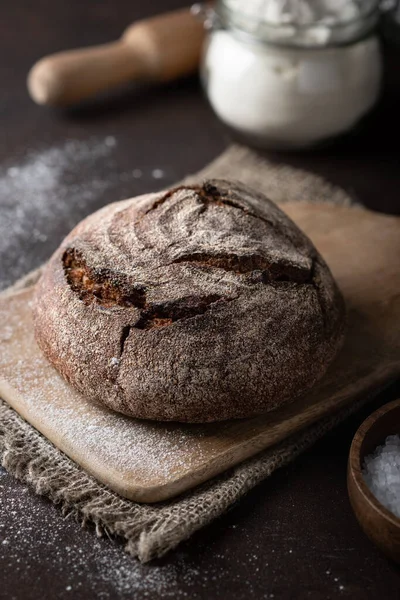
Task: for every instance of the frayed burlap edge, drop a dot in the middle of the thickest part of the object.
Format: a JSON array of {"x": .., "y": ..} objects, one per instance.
[
  {"x": 152, "y": 530},
  {"x": 149, "y": 530}
]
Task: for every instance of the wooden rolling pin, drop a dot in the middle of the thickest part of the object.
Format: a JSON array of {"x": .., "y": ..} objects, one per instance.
[{"x": 161, "y": 48}]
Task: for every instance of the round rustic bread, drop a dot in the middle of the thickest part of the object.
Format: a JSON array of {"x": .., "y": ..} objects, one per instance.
[{"x": 196, "y": 304}]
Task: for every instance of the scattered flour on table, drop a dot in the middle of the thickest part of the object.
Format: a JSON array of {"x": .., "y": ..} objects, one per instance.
[
  {"x": 48, "y": 550},
  {"x": 48, "y": 191},
  {"x": 382, "y": 473},
  {"x": 31, "y": 532}
]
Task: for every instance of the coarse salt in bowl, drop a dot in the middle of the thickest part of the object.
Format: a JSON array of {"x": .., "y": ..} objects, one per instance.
[{"x": 373, "y": 478}]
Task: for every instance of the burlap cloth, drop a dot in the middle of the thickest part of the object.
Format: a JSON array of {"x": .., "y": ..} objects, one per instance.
[{"x": 152, "y": 530}]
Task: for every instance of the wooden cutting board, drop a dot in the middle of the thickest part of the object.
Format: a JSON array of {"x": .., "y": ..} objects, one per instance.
[{"x": 147, "y": 461}]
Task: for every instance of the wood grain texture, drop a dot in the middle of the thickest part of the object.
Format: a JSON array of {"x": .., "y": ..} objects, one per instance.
[
  {"x": 151, "y": 462},
  {"x": 380, "y": 525}
]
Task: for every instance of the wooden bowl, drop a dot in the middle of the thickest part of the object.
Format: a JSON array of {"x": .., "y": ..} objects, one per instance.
[{"x": 380, "y": 525}]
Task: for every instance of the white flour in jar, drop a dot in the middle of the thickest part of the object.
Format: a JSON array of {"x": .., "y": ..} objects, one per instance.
[
  {"x": 301, "y": 12},
  {"x": 292, "y": 95}
]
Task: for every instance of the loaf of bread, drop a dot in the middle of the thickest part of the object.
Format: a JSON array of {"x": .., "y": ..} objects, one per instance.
[{"x": 196, "y": 304}]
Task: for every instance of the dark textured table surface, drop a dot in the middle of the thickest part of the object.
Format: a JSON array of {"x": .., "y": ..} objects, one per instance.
[{"x": 295, "y": 535}]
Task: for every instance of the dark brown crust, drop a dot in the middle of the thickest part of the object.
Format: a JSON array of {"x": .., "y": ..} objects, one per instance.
[{"x": 197, "y": 304}]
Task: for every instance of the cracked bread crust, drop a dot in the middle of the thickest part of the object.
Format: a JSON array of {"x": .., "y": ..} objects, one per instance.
[{"x": 197, "y": 304}]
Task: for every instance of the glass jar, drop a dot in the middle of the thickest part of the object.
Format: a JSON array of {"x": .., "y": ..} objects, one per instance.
[{"x": 291, "y": 81}]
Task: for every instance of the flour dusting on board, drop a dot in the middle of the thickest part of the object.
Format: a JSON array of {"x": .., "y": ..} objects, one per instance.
[
  {"x": 145, "y": 448},
  {"x": 139, "y": 449}
]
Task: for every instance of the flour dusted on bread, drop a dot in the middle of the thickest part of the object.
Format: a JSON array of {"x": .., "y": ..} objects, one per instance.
[{"x": 196, "y": 304}]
